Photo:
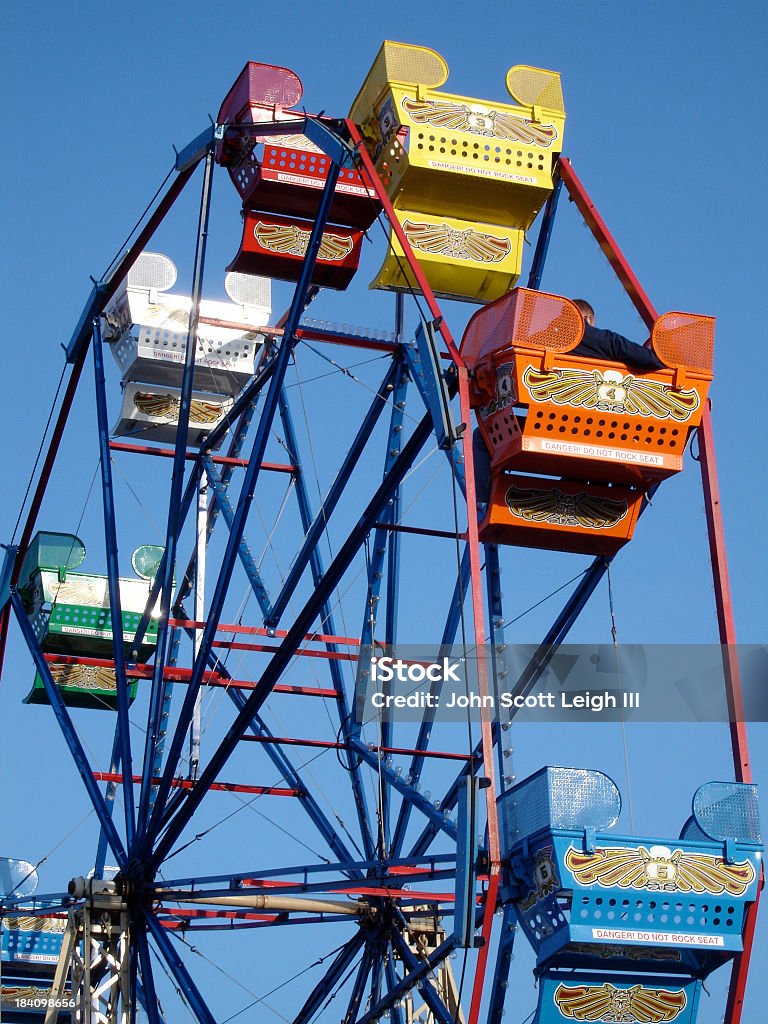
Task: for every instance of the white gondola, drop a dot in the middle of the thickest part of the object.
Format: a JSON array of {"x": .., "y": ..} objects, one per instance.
[{"x": 147, "y": 328}]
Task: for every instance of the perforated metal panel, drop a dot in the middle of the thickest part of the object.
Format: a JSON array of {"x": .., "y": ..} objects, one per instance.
[
  {"x": 523, "y": 317},
  {"x": 152, "y": 270},
  {"x": 17, "y": 876},
  {"x": 572, "y": 798},
  {"x": 547, "y": 321},
  {"x": 249, "y": 290},
  {"x": 399, "y": 62},
  {"x": 685, "y": 340},
  {"x": 535, "y": 87},
  {"x": 728, "y": 810},
  {"x": 52, "y": 551},
  {"x": 269, "y": 83},
  {"x": 692, "y": 831},
  {"x": 146, "y": 560},
  {"x": 419, "y": 64}
]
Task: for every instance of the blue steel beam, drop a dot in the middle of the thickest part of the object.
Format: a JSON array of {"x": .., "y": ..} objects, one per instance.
[
  {"x": 110, "y": 793},
  {"x": 377, "y": 972},
  {"x": 236, "y": 444},
  {"x": 189, "y": 495},
  {"x": 174, "y": 522},
  {"x": 292, "y": 778},
  {"x": 545, "y": 233},
  {"x": 528, "y": 679},
  {"x": 68, "y": 730},
  {"x": 496, "y": 641},
  {"x": 325, "y": 512},
  {"x": 103, "y": 291},
  {"x": 328, "y": 141},
  {"x": 328, "y": 623},
  {"x": 395, "y": 1011},
  {"x": 411, "y": 794},
  {"x": 332, "y": 976},
  {"x": 113, "y": 582},
  {"x": 168, "y": 686},
  {"x": 386, "y": 543},
  {"x": 358, "y": 988},
  {"x": 423, "y": 378},
  {"x": 188, "y": 989},
  {"x": 149, "y": 1000},
  {"x": 399, "y": 987},
  {"x": 503, "y": 964},
  {"x": 393, "y": 540},
  {"x": 294, "y": 637},
  {"x": 439, "y": 1010},
  {"x": 241, "y": 403},
  {"x": 425, "y": 731},
  {"x": 432, "y": 862},
  {"x": 244, "y": 552},
  {"x": 243, "y": 506}
]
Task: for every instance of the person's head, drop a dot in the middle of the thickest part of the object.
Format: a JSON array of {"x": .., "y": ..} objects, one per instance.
[{"x": 586, "y": 311}]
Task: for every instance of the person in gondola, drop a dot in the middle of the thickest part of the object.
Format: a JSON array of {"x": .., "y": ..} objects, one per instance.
[
  {"x": 602, "y": 344},
  {"x": 596, "y": 343}
]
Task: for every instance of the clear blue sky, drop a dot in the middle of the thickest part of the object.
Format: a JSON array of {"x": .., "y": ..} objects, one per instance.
[{"x": 664, "y": 105}]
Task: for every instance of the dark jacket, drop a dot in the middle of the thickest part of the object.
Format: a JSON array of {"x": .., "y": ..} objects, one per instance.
[{"x": 609, "y": 345}]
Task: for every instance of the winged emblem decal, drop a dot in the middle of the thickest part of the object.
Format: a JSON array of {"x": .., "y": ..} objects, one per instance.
[
  {"x": 611, "y": 392},
  {"x": 167, "y": 406},
  {"x": 545, "y": 880},
  {"x": 84, "y": 677},
  {"x": 497, "y": 124},
  {"x": 611, "y": 1005},
  {"x": 624, "y": 952},
  {"x": 444, "y": 240},
  {"x": 293, "y": 241},
  {"x": 553, "y": 506},
  {"x": 659, "y": 868}
]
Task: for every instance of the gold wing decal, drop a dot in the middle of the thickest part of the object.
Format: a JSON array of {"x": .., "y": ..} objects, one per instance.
[
  {"x": 498, "y": 124},
  {"x": 585, "y": 510},
  {"x": 293, "y": 241},
  {"x": 204, "y": 412},
  {"x": 281, "y": 238},
  {"x": 334, "y": 247},
  {"x": 650, "y": 398},
  {"x": 150, "y": 404},
  {"x": 658, "y": 868},
  {"x": 91, "y": 593},
  {"x": 608, "y": 1003},
  {"x": 35, "y": 924},
  {"x": 443, "y": 240},
  {"x": 592, "y": 389},
  {"x": 699, "y": 872},
  {"x": 84, "y": 677},
  {"x": 440, "y": 114},
  {"x": 622, "y": 867},
  {"x": 564, "y": 387},
  {"x": 518, "y": 129}
]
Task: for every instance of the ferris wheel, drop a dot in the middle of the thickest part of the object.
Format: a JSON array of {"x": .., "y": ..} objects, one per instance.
[{"x": 286, "y": 823}]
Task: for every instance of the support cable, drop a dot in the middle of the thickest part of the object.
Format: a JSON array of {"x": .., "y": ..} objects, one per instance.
[{"x": 621, "y": 718}]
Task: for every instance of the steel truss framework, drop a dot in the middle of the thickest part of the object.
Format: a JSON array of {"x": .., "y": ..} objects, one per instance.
[{"x": 392, "y": 970}]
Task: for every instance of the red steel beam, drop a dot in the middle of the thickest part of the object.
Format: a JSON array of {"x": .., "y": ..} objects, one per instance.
[
  {"x": 293, "y": 741},
  {"x": 347, "y": 641},
  {"x": 478, "y": 617},
  {"x": 420, "y": 531},
  {"x": 226, "y": 787},
  {"x": 221, "y": 460},
  {"x": 607, "y": 243},
  {"x": 182, "y": 675},
  {"x": 309, "y": 334},
  {"x": 717, "y": 550}
]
